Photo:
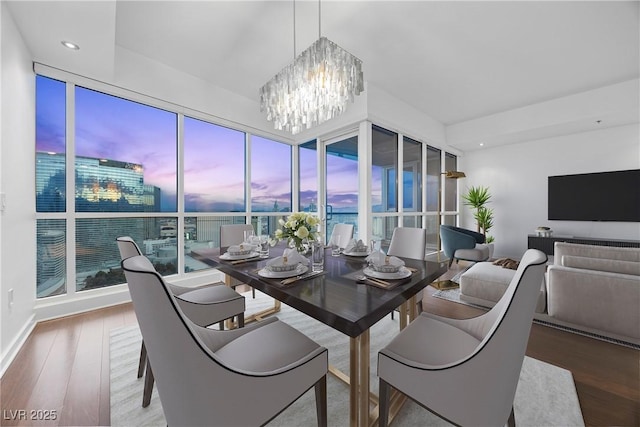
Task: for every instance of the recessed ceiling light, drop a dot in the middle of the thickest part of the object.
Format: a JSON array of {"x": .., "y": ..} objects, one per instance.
[
  {"x": 482, "y": 144},
  {"x": 70, "y": 45}
]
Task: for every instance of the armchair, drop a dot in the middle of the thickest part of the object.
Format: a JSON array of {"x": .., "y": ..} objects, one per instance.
[{"x": 459, "y": 243}]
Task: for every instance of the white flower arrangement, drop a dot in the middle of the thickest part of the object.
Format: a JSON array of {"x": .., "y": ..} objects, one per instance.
[{"x": 299, "y": 228}]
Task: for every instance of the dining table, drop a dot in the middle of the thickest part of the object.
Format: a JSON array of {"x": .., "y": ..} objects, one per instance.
[{"x": 344, "y": 298}]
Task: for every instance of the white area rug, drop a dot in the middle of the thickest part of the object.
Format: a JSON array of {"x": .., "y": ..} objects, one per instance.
[{"x": 545, "y": 396}]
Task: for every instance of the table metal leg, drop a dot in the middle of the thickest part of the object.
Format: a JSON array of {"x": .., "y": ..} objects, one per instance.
[
  {"x": 254, "y": 316},
  {"x": 359, "y": 388}
]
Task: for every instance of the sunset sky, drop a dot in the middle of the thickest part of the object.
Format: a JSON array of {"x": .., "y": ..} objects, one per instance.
[{"x": 214, "y": 156}]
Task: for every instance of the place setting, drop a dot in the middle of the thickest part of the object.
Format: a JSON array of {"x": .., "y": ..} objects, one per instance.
[
  {"x": 357, "y": 248},
  {"x": 291, "y": 267},
  {"x": 251, "y": 249},
  {"x": 384, "y": 271}
]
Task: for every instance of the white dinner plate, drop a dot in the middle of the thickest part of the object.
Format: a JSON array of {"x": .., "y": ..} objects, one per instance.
[
  {"x": 400, "y": 274},
  {"x": 228, "y": 257},
  {"x": 300, "y": 269},
  {"x": 358, "y": 254}
]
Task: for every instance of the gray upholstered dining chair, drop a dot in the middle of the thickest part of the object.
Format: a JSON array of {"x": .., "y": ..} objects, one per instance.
[
  {"x": 200, "y": 372},
  {"x": 204, "y": 305},
  {"x": 460, "y": 243},
  {"x": 466, "y": 370},
  {"x": 343, "y": 233},
  {"x": 233, "y": 234},
  {"x": 409, "y": 242}
]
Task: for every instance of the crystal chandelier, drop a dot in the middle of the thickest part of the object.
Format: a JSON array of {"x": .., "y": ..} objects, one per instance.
[{"x": 314, "y": 88}]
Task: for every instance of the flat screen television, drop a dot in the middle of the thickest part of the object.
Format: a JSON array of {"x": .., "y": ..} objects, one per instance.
[{"x": 601, "y": 196}]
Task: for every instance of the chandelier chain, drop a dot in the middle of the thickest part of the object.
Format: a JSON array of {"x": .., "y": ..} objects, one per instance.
[{"x": 319, "y": 20}]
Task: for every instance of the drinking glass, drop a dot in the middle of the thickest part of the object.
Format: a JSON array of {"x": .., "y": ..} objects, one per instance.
[
  {"x": 335, "y": 245},
  {"x": 248, "y": 234},
  {"x": 264, "y": 245},
  {"x": 317, "y": 256}
]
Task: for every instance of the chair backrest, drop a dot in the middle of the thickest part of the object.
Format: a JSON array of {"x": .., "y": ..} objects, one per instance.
[
  {"x": 127, "y": 247},
  {"x": 496, "y": 363},
  {"x": 408, "y": 242},
  {"x": 345, "y": 231},
  {"x": 454, "y": 238},
  {"x": 233, "y": 234}
]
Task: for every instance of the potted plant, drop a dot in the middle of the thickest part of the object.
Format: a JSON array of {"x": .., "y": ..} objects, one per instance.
[{"x": 477, "y": 198}]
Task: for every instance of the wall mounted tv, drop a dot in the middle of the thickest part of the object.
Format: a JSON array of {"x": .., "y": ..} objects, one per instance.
[{"x": 601, "y": 196}]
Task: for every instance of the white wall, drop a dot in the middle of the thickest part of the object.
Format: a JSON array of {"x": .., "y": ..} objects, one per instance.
[
  {"x": 17, "y": 181},
  {"x": 517, "y": 177}
]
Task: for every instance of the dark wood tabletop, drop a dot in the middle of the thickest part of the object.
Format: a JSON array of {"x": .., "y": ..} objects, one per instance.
[{"x": 334, "y": 298}]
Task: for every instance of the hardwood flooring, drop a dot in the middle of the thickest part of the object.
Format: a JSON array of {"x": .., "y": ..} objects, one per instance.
[{"x": 62, "y": 371}]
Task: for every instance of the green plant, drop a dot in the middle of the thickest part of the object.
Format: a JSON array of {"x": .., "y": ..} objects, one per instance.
[{"x": 477, "y": 198}]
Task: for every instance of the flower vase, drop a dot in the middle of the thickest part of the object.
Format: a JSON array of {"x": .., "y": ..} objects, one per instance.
[{"x": 301, "y": 246}]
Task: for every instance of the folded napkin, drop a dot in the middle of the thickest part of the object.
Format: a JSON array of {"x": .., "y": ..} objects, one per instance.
[
  {"x": 241, "y": 248},
  {"x": 289, "y": 257},
  {"x": 355, "y": 246},
  {"x": 379, "y": 258}
]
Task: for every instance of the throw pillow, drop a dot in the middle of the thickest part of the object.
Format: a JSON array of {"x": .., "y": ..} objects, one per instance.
[{"x": 507, "y": 263}]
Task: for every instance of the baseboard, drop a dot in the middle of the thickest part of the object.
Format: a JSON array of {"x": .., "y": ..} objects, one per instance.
[
  {"x": 68, "y": 305},
  {"x": 12, "y": 351}
]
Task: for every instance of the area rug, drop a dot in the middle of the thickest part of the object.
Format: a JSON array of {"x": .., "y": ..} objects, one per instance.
[
  {"x": 546, "y": 394},
  {"x": 454, "y": 295}
]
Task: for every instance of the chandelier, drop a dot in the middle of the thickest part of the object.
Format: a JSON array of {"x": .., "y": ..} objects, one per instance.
[{"x": 317, "y": 86}]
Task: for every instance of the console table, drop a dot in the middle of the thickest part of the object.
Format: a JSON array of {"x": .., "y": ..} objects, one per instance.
[{"x": 545, "y": 244}]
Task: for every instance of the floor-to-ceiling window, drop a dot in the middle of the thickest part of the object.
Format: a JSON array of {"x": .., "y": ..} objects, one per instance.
[
  {"x": 132, "y": 172},
  {"x": 341, "y": 183},
  {"x": 214, "y": 184},
  {"x": 411, "y": 183},
  {"x": 433, "y": 197},
  {"x": 308, "y": 177},
  {"x": 126, "y": 164},
  {"x": 384, "y": 183},
  {"x": 51, "y": 178}
]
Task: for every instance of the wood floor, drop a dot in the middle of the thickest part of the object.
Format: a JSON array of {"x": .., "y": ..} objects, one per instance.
[{"x": 62, "y": 372}]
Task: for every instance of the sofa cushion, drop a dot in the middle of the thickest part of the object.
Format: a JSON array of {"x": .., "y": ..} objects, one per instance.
[
  {"x": 592, "y": 251},
  {"x": 484, "y": 284},
  {"x": 601, "y": 300},
  {"x": 610, "y": 265}
]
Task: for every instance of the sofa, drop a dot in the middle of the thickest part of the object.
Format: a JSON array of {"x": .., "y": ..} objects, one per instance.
[{"x": 594, "y": 289}]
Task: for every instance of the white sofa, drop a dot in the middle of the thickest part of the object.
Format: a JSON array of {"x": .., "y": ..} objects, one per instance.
[
  {"x": 596, "y": 288},
  {"x": 590, "y": 288}
]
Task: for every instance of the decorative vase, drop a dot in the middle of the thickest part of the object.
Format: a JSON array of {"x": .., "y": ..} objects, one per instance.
[{"x": 301, "y": 246}]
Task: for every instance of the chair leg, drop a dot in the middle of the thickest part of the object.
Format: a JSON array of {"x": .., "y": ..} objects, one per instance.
[
  {"x": 241, "y": 320},
  {"x": 143, "y": 360},
  {"x": 148, "y": 386},
  {"x": 450, "y": 262},
  {"x": 221, "y": 325},
  {"x": 383, "y": 402},
  {"x": 253, "y": 292},
  {"x": 392, "y": 314},
  {"x": 512, "y": 419},
  {"x": 321, "y": 401}
]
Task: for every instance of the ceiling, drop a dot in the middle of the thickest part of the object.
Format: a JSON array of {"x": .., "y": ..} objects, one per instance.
[{"x": 454, "y": 61}]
